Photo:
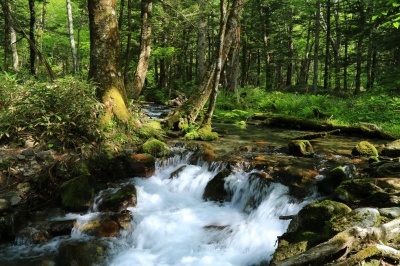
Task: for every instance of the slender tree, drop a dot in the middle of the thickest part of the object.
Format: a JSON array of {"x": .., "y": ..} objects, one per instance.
[
  {"x": 316, "y": 46},
  {"x": 201, "y": 42},
  {"x": 32, "y": 22},
  {"x": 145, "y": 49},
  {"x": 71, "y": 36}
]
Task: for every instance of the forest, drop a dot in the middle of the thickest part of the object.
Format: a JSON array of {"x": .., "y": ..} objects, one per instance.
[{"x": 76, "y": 77}]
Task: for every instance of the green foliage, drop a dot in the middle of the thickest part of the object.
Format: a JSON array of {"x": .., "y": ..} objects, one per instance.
[{"x": 63, "y": 113}]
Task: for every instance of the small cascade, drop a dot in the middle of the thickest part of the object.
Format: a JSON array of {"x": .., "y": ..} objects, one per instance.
[{"x": 175, "y": 226}]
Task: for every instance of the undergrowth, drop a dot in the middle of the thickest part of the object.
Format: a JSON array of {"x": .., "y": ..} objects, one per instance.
[{"x": 377, "y": 108}]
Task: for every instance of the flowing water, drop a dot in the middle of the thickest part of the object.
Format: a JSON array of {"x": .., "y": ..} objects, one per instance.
[{"x": 173, "y": 225}]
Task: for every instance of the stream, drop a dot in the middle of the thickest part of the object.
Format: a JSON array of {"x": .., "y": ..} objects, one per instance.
[{"x": 172, "y": 225}]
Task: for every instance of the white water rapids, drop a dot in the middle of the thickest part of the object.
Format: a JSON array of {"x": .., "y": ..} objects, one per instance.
[{"x": 173, "y": 225}]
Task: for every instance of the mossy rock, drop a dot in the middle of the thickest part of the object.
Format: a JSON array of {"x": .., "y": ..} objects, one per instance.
[
  {"x": 120, "y": 200},
  {"x": 300, "y": 148},
  {"x": 364, "y": 148},
  {"x": 335, "y": 176},
  {"x": 362, "y": 217},
  {"x": 310, "y": 227},
  {"x": 76, "y": 194},
  {"x": 392, "y": 149},
  {"x": 151, "y": 128},
  {"x": 206, "y": 133},
  {"x": 156, "y": 148},
  {"x": 142, "y": 165},
  {"x": 377, "y": 192}
]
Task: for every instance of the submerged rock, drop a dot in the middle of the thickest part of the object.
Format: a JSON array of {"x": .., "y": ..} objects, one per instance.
[{"x": 335, "y": 177}]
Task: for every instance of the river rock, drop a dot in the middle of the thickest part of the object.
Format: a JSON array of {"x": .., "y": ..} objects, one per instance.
[
  {"x": 107, "y": 224},
  {"x": 378, "y": 192},
  {"x": 308, "y": 228},
  {"x": 82, "y": 253},
  {"x": 392, "y": 149},
  {"x": 215, "y": 188},
  {"x": 335, "y": 176},
  {"x": 392, "y": 213},
  {"x": 156, "y": 148},
  {"x": 32, "y": 235},
  {"x": 60, "y": 228},
  {"x": 362, "y": 217},
  {"x": 300, "y": 148},
  {"x": 119, "y": 200},
  {"x": 142, "y": 165},
  {"x": 364, "y": 148},
  {"x": 386, "y": 169},
  {"x": 5, "y": 205},
  {"x": 298, "y": 179},
  {"x": 28, "y": 152},
  {"x": 76, "y": 194}
]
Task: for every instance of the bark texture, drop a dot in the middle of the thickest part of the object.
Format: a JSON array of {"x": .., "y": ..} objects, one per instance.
[
  {"x": 145, "y": 50},
  {"x": 105, "y": 59}
]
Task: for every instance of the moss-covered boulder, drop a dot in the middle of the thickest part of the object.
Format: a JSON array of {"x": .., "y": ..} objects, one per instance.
[
  {"x": 76, "y": 194},
  {"x": 378, "y": 192},
  {"x": 142, "y": 165},
  {"x": 300, "y": 148},
  {"x": 215, "y": 189},
  {"x": 335, "y": 176},
  {"x": 364, "y": 148},
  {"x": 386, "y": 169},
  {"x": 362, "y": 217},
  {"x": 392, "y": 149},
  {"x": 203, "y": 133},
  {"x": 118, "y": 200},
  {"x": 308, "y": 228},
  {"x": 156, "y": 148}
]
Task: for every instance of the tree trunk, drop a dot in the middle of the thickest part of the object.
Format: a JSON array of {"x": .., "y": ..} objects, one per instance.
[
  {"x": 128, "y": 44},
  {"x": 145, "y": 49},
  {"x": 316, "y": 46},
  {"x": 327, "y": 52},
  {"x": 71, "y": 36},
  {"x": 105, "y": 59},
  {"x": 360, "y": 39},
  {"x": 10, "y": 38},
  {"x": 32, "y": 22},
  {"x": 187, "y": 113},
  {"x": 201, "y": 42},
  {"x": 219, "y": 65}
]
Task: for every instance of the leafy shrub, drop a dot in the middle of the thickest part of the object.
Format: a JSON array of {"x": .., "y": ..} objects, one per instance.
[{"x": 65, "y": 111}]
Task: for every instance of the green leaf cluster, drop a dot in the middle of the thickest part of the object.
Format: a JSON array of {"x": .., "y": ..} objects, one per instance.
[{"x": 63, "y": 113}]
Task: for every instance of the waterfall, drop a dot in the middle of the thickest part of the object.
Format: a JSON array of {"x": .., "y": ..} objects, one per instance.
[{"x": 173, "y": 225}]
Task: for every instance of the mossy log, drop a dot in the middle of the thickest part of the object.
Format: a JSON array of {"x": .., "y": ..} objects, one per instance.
[
  {"x": 274, "y": 120},
  {"x": 363, "y": 241},
  {"x": 315, "y": 135}
]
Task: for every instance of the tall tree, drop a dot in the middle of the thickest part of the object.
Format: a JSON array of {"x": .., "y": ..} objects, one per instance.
[
  {"x": 145, "y": 49},
  {"x": 105, "y": 59},
  {"x": 316, "y": 46},
  {"x": 187, "y": 113},
  {"x": 10, "y": 37},
  {"x": 71, "y": 36},
  {"x": 201, "y": 42},
  {"x": 32, "y": 22}
]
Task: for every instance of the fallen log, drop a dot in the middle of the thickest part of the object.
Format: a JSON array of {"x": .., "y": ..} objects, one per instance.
[
  {"x": 316, "y": 135},
  {"x": 361, "y": 240},
  {"x": 284, "y": 121}
]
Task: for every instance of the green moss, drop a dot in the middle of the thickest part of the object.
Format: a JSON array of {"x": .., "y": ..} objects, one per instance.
[
  {"x": 364, "y": 148},
  {"x": 156, "y": 148},
  {"x": 76, "y": 194},
  {"x": 151, "y": 129},
  {"x": 300, "y": 148},
  {"x": 124, "y": 193},
  {"x": 205, "y": 133},
  {"x": 192, "y": 135}
]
